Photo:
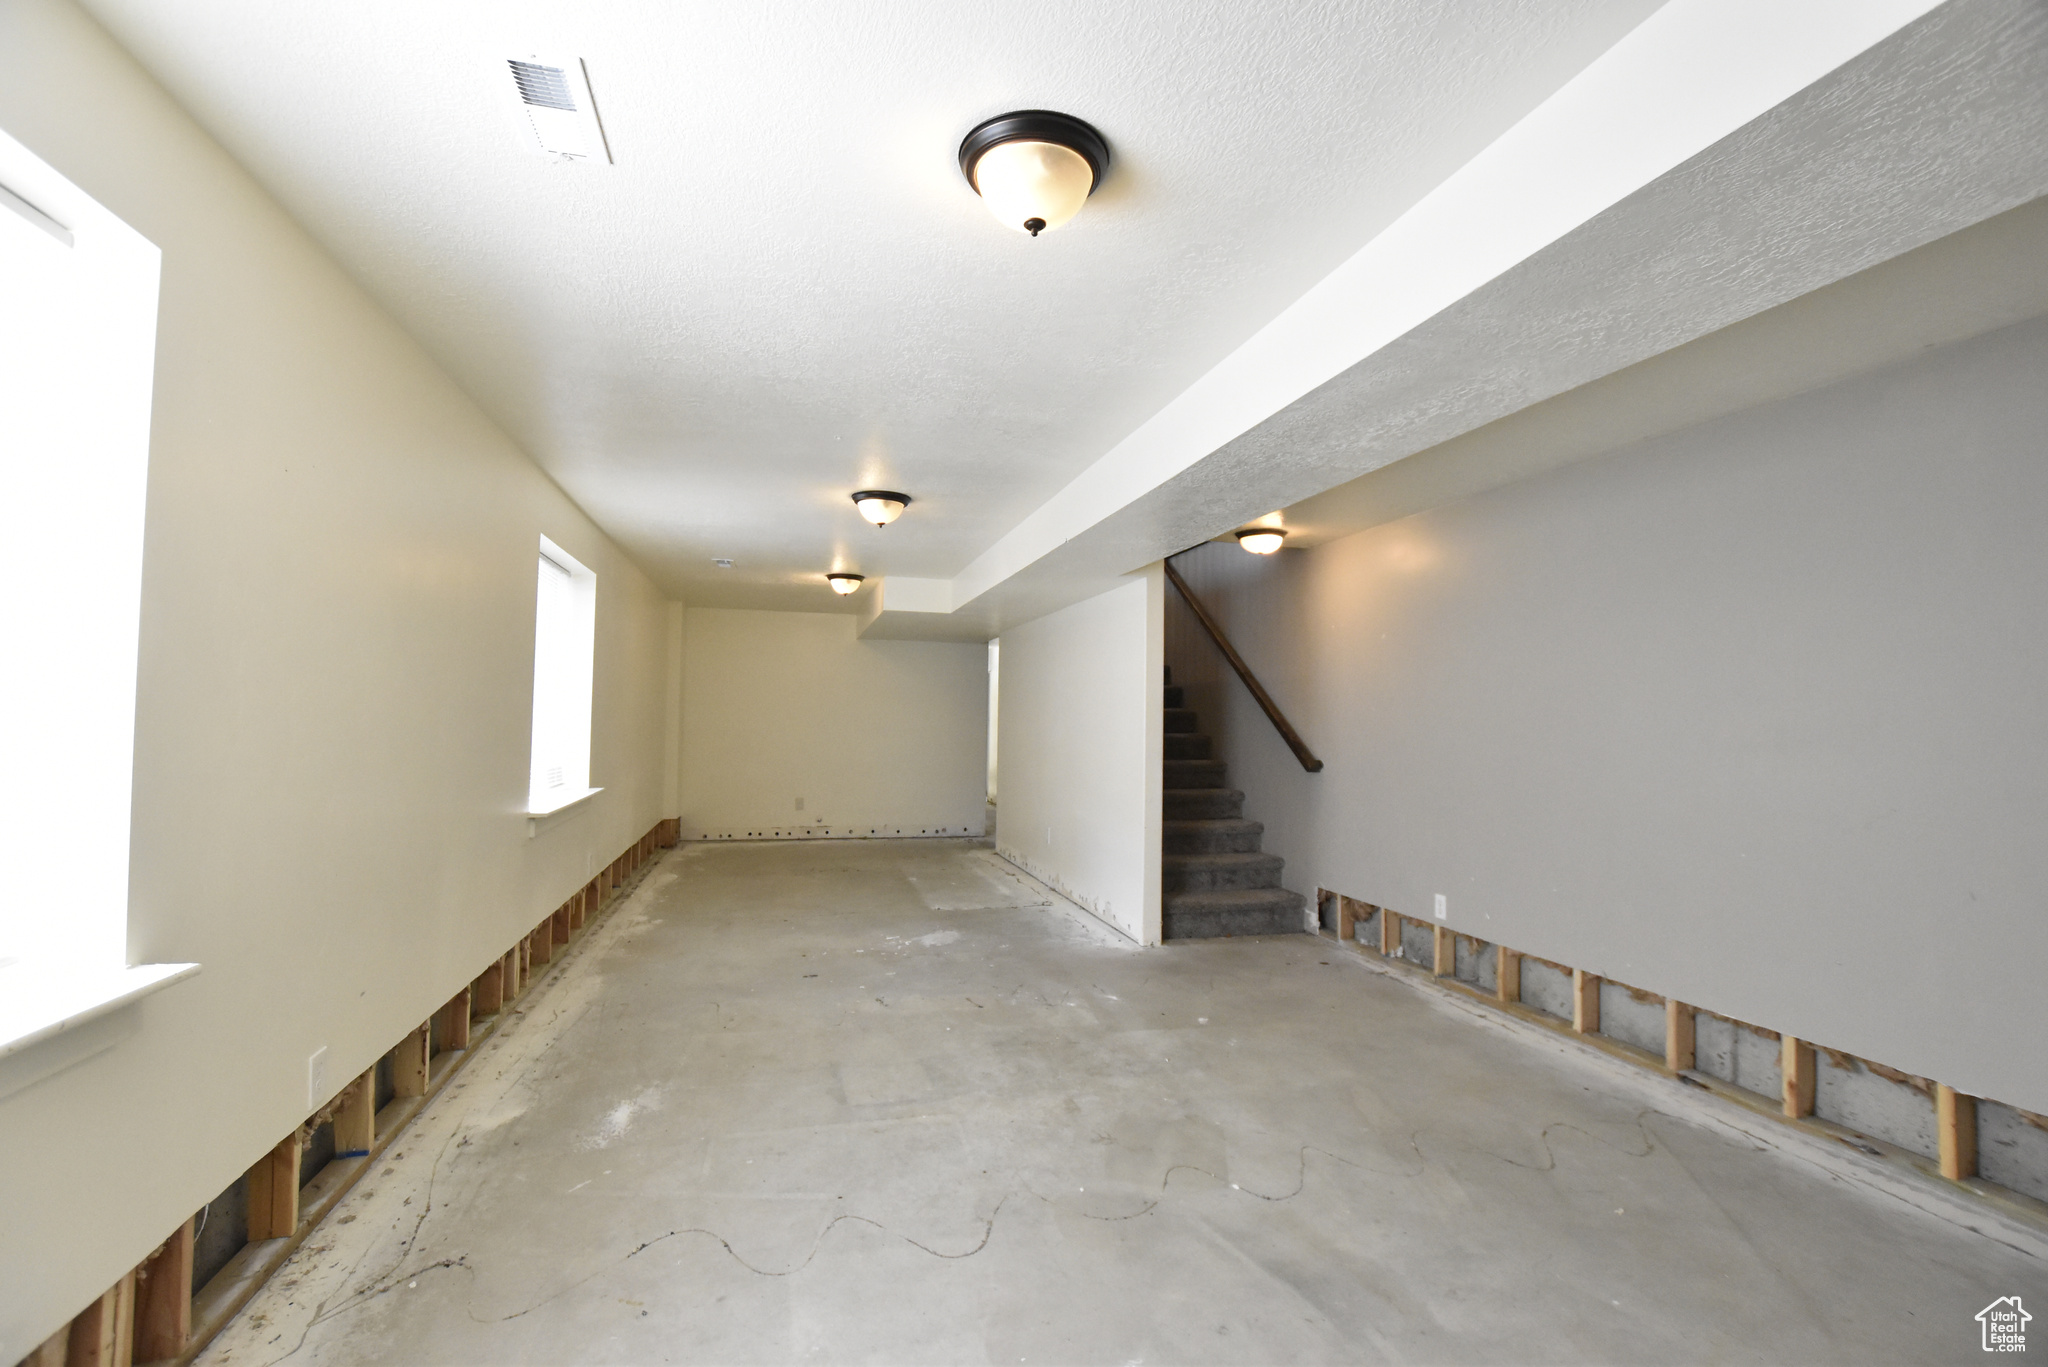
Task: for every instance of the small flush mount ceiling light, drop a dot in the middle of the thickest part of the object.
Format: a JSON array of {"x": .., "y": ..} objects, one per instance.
[
  {"x": 1261, "y": 540},
  {"x": 844, "y": 584},
  {"x": 881, "y": 506},
  {"x": 1034, "y": 168}
]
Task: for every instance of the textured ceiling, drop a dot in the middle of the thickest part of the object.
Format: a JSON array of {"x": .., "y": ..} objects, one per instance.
[
  {"x": 1863, "y": 144},
  {"x": 783, "y": 290}
]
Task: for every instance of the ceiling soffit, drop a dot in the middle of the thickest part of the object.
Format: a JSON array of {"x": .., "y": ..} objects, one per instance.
[{"x": 1930, "y": 130}]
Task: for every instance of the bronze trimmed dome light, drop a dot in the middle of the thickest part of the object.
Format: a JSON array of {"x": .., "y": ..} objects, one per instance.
[{"x": 1034, "y": 168}]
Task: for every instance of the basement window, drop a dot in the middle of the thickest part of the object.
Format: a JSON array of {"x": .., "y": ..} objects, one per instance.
[
  {"x": 564, "y": 649},
  {"x": 78, "y": 293}
]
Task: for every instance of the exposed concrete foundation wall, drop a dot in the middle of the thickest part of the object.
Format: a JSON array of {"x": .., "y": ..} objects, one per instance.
[
  {"x": 1742, "y": 715},
  {"x": 1632, "y": 1017},
  {"x": 1478, "y": 964},
  {"x": 2012, "y": 1149},
  {"x": 335, "y": 693},
  {"x": 1896, "y": 1109},
  {"x": 1079, "y": 742},
  {"x": 1739, "y": 1054},
  {"x": 1547, "y": 988}
]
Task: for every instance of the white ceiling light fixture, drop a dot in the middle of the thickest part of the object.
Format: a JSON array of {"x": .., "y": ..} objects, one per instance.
[
  {"x": 1034, "y": 168},
  {"x": 554, "y": 97},
  {"x": 843, "y": 584},
  {"x": 881, "y": 506},
  {"x": 1261, "y": 540}
]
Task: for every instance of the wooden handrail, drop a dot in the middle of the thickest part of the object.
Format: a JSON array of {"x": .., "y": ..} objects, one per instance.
[{"x": 1280, "y": 723}]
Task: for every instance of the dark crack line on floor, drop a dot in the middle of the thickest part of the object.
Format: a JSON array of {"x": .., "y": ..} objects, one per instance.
[
  {"x": 988, "y": 1232},
  {"x": 457, "y": 1137},
  {"x": 1549, "y": 1163}
]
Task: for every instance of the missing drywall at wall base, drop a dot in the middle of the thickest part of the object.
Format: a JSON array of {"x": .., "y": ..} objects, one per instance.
[
  {"x": 815, "y": 832},
  {"x": 1478, "y": 963},
  {"x": 1882, "y": 1111},
  {"x": 1631, "y": 1016},
  {"x": 1547, "y": 987},
  {"x": 188, "y": 1300},
  {"x": 2012, "y": 1148},
  {"x": 1418, "y": 942},
  {"x": 1739, "y": 1054}
]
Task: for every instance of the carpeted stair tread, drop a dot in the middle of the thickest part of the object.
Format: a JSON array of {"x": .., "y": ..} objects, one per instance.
[
  {"x": 1195, "y": 773},
  {"x": 1250, "y": 911},
  {"x": 1214, "y": 879},
  {"x": 1203, "y": 804},
  {"x": 1229, "y": 871},
  {"x": 1212, "y": 836}
]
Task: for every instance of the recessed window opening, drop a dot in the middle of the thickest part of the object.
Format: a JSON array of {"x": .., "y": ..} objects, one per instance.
[
  {"x": 564, "y": 649},
  {"x": 78, "y": 295}
]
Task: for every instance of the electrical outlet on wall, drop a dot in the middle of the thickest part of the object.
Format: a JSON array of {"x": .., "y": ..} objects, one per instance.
[
  {"x": 316, "y": 1078},
  {"x": 1443, "y": 907}
]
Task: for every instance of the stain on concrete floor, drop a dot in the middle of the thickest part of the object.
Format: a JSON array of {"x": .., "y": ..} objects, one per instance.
[{"x": 892, "y": 1102}]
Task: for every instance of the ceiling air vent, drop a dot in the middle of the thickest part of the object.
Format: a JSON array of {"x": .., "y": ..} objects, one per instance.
[{"x": 554, "y": 97}]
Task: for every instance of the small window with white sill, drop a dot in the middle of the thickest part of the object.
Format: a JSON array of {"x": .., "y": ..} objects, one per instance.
[{"x": 564, "y": 651}]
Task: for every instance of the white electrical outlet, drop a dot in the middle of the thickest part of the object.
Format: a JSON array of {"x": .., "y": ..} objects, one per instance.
[
  {"x": 316, "y": 1079},
  {"x": 1443, "y": 907}
]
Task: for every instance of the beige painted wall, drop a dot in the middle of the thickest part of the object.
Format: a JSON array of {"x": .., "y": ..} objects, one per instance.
[
  {"x": 875, "y": 737},
  {"x": 1750, "y": 714},
  {"x": 335, "y": 684},
  {"x": 1079, "y": 745}
]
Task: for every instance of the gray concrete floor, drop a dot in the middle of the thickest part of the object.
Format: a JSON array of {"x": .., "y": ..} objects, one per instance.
[{"x": 890, "y": 1102}]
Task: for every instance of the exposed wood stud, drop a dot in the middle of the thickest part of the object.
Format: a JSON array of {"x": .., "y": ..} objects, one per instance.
[
  {"x": 1585, "y": 1002},
  {"x": 103, "y": 1334},
  {"x": 1390, "y": 932},
  {"x": 163, "y": 1299},
  {"x": 1507, "y": 974},
  {"x": 409, "y": 1062},
  {"x": 144, "y": 1301},
  {"x": 355, "y": 1120},
  {"x": 273, "y": 1187},
  {"x": 1679, "y": 1055},
  {"x": 1795, "y": 1061},
  {"x": 455, "y": 1021},
  {"x": 487, "y": 993},
  {"x": 1955, "y": 1119},
  {"x": 1347, "y": 918},
  {"x": 542, "y": 945},
  {"x": 560, "y": 923},
  {"x": 1446, "y": 965}
]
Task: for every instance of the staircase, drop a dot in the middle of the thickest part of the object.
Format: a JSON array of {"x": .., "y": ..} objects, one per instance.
[{"x": 1213, "y": 879}]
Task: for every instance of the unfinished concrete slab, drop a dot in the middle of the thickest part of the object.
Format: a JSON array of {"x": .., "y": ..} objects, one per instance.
[{"x": 891, "y": 1101}]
